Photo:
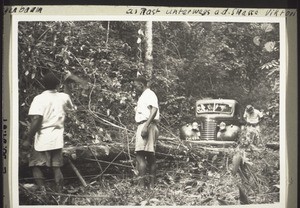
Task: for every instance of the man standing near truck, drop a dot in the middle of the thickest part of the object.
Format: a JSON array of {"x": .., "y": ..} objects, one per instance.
[
  {"x": 253, "y": 117},
  {"x": 146, "y": 117}
]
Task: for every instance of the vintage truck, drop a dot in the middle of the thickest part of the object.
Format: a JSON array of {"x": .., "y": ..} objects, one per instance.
[{"x": 216, "y": 121}]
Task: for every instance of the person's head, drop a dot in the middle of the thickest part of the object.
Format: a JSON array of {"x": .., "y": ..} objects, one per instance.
[
  {"x": 249, "y": 109},
  {"x": 51, "y": 81},
  {"x": 140, "y": 84}
]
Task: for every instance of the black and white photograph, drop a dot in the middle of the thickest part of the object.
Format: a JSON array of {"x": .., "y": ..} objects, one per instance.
[{"x": 136, "y": 111}]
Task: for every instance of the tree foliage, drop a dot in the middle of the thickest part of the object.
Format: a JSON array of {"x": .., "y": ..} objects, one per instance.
[{"x": 191, "y": 60}]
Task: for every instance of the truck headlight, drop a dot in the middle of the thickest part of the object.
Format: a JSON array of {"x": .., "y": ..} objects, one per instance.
[
  {"x": 195, "y": 126},
  {"x": 222, "y": 126}
]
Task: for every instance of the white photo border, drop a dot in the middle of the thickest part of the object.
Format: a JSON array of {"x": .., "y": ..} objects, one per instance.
[{"x": 13, "y": 79}]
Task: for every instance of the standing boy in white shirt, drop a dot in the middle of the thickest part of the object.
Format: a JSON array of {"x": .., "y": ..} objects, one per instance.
[
  {"x": 147, "y": 117},
  {"x": 47, "y": 112}
]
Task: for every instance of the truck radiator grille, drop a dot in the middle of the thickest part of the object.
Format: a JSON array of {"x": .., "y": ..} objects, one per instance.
[{"x": 209, "y": 130}]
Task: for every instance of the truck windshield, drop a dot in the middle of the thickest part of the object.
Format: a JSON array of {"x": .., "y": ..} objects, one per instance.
[{"x": 214, "y": 107}]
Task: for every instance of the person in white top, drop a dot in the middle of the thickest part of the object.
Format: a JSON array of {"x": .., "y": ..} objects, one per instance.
[
  {"x": 253, "y": 117},
  {"x": 47, "y": 112},
  {"x": 147, "y": 117}
]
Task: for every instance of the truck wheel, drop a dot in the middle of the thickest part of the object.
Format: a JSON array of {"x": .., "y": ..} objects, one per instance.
[{"x": 236, "y": 162}]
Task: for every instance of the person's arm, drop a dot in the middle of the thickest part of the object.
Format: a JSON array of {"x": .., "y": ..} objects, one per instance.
[
  {"x": 69, "y": 78},
  {"x": 67, "y": 88},
  {"x": 260, "y": 116},
  {"x": 67, "y": 82},
  {"x": 153, "y": 112},
  {"x": 69, "y": 105},
  {"x": 245, "y": 115},
  {"x": 35, "y": 126}
]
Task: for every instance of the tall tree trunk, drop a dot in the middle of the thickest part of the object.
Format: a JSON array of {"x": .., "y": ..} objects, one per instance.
[
  {"x": 107, "y": 35},
  {"x": 149, "y": 47}
]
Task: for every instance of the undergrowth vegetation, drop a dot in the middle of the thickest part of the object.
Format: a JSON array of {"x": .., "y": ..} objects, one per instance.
[{"x": 203, "y": 179}]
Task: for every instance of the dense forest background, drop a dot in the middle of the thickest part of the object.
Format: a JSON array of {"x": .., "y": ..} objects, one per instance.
[{"x": 191, "y": 60}]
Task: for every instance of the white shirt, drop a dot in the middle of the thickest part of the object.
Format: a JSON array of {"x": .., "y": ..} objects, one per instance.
[
  {"x": 148, "y": 98},
  {"x": 254, "y": 117},
  {"x": 52, "y": 106}
]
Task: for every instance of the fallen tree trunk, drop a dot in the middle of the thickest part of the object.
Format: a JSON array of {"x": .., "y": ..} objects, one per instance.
[
  {"x": 214, "y": 143},
  {"x": 104, "y": 151},
  {"x": 99, "y": 157},
  {"x": 166, "y": 147}
]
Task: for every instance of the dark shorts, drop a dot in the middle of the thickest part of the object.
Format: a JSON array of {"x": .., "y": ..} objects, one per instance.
[{"x": 50, "y": 158}]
